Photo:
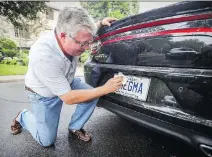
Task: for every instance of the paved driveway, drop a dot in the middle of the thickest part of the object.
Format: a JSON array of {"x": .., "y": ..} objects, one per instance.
[{"x": 112, "y": 136}]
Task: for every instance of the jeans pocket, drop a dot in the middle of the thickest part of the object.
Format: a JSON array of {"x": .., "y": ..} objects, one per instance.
[{"x": 33, "y": 96}]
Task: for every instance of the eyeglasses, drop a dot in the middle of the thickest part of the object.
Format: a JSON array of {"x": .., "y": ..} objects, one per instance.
[{"x": 82, "y": 44}]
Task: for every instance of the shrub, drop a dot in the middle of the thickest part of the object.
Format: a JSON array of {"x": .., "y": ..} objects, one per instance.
[
  {"x": 1, "y": 56},
  {"x": 25, "y": 51},
  {"x": 7, "y": 44},
  {"x": 14, "y": 61},
  {"x": 24, "y": 61},
  {"x": 6, "y": 60},
  {"x": 84, "y": 57},
  {"x": 10, "y": 52},
  {"x": 22, "y": 54},
  {"x": 23, "y": 58}
]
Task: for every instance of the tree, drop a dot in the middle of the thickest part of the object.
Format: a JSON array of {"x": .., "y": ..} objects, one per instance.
[
  {"x": 101, "y": 9},
  {"x": 17, "y": 12}
]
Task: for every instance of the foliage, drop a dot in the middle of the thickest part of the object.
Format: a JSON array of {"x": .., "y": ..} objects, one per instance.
[
  {"x": 24, "y": 61},
  {"x": 22, "y": 54},
  {"x": 8, "y": 47},
  {"x": 24, "y": 51},
  {"x": 1, "y": 56},
  {"x": 6, "y": 43},
  {"x": 23, "y": 57},
  {"x": 14, "y": 61},
  {"x": 117, "y": 9},
  {"x": 12, "y": 69},
  {"x": 6, "y": 60},
  {"x": 10, "y": 52},
  {"x": 9, "y": 60},
  {"x": 17, "y": 11},
  {"x": 84, "y": 56}
]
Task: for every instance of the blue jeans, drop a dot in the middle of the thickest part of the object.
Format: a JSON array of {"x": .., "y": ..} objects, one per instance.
[{"x": 43, "y": 121}]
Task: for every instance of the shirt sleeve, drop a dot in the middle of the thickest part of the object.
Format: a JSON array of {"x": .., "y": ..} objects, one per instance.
[{"x": 49, "y": 72}]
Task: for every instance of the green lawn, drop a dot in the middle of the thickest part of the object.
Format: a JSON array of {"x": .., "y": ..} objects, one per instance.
[{"x": 12, "y": 70}]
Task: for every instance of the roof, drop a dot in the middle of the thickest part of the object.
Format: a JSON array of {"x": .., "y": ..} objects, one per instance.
[
  {"x": 53, "y": 6},
  {"x": 59, "y": 5}
]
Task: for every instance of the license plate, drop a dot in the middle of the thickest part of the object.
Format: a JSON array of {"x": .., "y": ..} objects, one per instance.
[{"x": 135, "y": 87}]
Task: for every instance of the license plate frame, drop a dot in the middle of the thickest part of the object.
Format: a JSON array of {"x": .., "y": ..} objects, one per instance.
[{"x": 135, "y": 87}]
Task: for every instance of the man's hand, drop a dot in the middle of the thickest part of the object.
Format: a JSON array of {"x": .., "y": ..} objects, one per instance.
[
  {"x": 83, "y": 95},
  {"x": 113, "y": 84},
  {"x": 106, "y": 21}
]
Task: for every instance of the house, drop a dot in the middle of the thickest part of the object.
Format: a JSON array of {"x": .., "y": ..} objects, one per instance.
[{"x": 47, "y": 21}]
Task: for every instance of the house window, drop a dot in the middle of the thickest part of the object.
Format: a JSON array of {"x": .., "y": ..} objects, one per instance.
[
  {"x": 21, "y": 33},
  {"x": 16, "y": 33},
  {"x": 50, "y": 14}
]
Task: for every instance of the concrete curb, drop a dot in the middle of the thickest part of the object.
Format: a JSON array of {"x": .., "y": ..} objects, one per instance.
[
  {"x": 15, "y": 79},
  {"x": 21, "y": 80},
  {"x": 8, "y": 81}
]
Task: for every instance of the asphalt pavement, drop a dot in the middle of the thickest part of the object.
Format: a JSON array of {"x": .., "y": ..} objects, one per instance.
[{"x": 112, "y": 135}]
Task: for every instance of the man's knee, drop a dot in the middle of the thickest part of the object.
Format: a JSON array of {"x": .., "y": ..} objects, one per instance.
[{"x": 47, "y": 140}]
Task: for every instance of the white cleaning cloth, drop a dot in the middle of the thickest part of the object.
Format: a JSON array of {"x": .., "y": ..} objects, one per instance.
[{"x": 124, "y": 77}]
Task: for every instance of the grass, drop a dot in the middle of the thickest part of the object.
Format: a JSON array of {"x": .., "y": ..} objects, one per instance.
[{"x": 12, "y": 70}]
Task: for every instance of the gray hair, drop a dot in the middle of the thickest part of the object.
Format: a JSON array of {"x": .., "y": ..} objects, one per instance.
[{"x": 73, "y": 19}]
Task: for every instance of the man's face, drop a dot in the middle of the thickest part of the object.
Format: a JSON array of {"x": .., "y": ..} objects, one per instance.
[{"x": 75, "y": 46}]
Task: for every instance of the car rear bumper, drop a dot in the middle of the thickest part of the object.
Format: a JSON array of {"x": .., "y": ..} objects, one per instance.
[{"x": 191, "y": 137}]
